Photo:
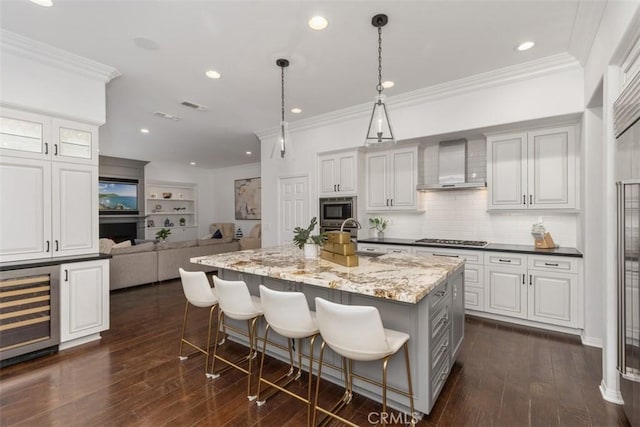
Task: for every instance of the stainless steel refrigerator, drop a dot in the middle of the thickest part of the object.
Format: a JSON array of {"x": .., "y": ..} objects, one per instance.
[{"x": 627, "y": 129}]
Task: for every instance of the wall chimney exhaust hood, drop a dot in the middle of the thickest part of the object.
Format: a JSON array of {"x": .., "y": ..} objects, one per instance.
[{"x": 452, "y": 162}]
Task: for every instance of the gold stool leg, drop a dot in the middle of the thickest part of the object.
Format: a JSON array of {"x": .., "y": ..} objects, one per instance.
[
  {"x": 264, "y": 351},
  {"x": 312, "y": 340},
  {"x": 211, "y": 311},
  {"x": 315, "y": 400},
  {"x": 384, "y": 386},
  {"x": 409, "y": 386},
  {"x": 184, "y": 325},
  {"x": 212, "y": 373},
  {"x": 252, "y": 335}
]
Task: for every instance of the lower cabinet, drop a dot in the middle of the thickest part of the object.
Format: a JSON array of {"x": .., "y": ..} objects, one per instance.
[
  {"x": 551, "y": 298},
  {"x": 506, "y": 291},
  {"x": 84, "y": 300}
]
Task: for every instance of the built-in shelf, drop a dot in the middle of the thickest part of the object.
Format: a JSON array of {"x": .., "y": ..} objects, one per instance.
[
  {"x": 183, "y": 195},
  {"x": 172, "y": 213}
]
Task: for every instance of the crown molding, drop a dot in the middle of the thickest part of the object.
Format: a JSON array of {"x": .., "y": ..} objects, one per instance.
[
  {"x": 511, "y": 74},
  {"x": 55, "y": 57},
  {"x": 585, "y": 27}
]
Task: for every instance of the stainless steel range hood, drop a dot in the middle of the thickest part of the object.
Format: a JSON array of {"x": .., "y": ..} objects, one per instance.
[{"x": 452, "y": 161}]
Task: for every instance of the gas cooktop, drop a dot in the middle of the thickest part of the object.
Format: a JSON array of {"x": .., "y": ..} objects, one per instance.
[{"x": 452, "y": 242}]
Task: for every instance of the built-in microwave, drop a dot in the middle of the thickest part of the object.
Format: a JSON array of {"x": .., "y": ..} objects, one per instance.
[{"x": 334, "y": 210}]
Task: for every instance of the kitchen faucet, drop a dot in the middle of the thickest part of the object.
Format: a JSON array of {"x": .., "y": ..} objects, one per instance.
[{"x": 355, "y": 221}]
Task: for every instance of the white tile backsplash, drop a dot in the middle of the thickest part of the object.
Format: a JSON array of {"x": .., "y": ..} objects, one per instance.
[{"x": 462, "y": 214}]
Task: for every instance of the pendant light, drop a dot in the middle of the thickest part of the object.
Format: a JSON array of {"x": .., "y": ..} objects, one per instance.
[
  {"x": 283, "y": 132},
  {"x": 379, "y": 131}
]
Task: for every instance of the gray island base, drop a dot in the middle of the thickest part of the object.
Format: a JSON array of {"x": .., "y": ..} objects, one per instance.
[{"x": 419, "y": 295}]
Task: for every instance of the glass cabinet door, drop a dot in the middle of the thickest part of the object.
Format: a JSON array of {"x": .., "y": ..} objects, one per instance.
[
  {"x": 23, "y": 134},
  {"x": 75, "y": 142}
]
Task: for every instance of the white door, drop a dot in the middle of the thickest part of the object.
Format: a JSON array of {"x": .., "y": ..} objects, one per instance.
[
  {"x": 551, "y": 167},
  {"x": 294, "y": 206},
  {"x": 84, "y": 299},
  {"x": 506, "y": 291},
  {"x": 25, "y": 212},
  {"x": 507, "y": 171},
  {"x": 347, "y": 173},
  {"x": 553, "y": 298},
  {"x": 377, "y": 178},
  {"x": 327, "y": 170},
  {"x": 403, "y": 179}
]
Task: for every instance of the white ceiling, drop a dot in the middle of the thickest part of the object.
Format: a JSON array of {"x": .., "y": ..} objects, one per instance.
[{"x": 425, "y": 43}]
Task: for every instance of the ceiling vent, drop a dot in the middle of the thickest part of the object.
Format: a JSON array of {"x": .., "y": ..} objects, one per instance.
[
  {"x": 166, "y": 116},
  {"x": 195, "y": 106}
]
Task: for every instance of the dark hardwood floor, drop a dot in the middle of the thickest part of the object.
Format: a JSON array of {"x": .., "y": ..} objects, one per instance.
[{"x": 505, "y": 376}]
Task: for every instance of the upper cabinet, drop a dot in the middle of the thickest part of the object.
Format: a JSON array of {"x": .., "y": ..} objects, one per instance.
[
  {"x": 338, "y": 173},
  {"x": 533, "y": 170},
  {"x": 391, "y": 179},
  {"x": 35, "y": 136}
]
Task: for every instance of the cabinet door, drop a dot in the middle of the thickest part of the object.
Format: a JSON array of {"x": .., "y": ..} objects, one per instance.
[
  {"x": 25, "y": 212},
  {"x": 506, "y": 291},
  {"x": 553, "y": 298},
  {"x": 507, "y": 171},
  {"x": 403, "y": 179},
  {"x": 75, "y": 209},
  {"x": 84, "y": 299},
  {"x": 457, "y": 318},
  {"x": 24, "y": 134},
  {"x": 347, "y": 173},
  {"x": 75, "y": 142},
  {"x": 551, "y": 168},
  {"x": 377, "y": 179},
  {"x": 327, "y": 170}
]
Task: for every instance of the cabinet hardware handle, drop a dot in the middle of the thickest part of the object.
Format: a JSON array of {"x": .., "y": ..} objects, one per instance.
[
  {"x": 57, "y": 246},
  {"x": 551, "y": 264},
  {"x": 387, "y": 202},
  {"x": 55, "y": 148},
  {"x": 48, "y": 245},
  {"x": 396, "y": 251},
  {"x": 451, "y": 256},
  {"x": 523, "y": 279},
  {"x": 334, "y": 187},
  {"x": 66, "y": 275},
  {"x": 46, "y": 148},
  {"x": 338, "y": 187},
  {"x": 369, "y": 249},
  {"x": 391, "y": 202},
  {"x": 524, "y": 199},
  {"x": 530, "y": 279},
  {"x": 530, "y": 199},
  {"x": 504, "y": 260},
  {"x": 444, "y": 348},
  {"x": 440, "y": 293}
]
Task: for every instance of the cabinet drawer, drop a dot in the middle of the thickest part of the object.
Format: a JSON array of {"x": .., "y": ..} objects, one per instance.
[
  {"x": 440, "y": 351},
  {"x": 505, "y": 258},
  {"x": 474, "y": 298},
  {"x": 440, "y": 322},
  {"x": 436, "y": 296},
  {"x": 439, "y": 377},
  {"x": 554, "y": 263},
  {"x": 384, "y": 249},
  {"x": 473, "y": 275},
  {"x": 377, "y": 249},
  {"x": 471, "y": 257}
]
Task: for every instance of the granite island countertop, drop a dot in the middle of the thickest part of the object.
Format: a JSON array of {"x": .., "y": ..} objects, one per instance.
[{"x": 397, "y": 277}]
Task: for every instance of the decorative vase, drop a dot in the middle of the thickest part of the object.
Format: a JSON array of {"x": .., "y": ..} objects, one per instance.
[
  {"x": 380, "y": 235},
  {"x": 310, "y": 250}
]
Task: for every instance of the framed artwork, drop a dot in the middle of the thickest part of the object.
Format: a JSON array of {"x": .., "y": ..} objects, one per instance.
[{"x": 247, "y": 197}]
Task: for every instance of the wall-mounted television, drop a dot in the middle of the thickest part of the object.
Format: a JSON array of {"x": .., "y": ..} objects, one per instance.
[{"x": 117, "y": 196}]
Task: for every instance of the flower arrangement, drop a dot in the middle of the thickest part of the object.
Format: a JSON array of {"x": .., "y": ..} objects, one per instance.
[{"x": 378, "y": 223}]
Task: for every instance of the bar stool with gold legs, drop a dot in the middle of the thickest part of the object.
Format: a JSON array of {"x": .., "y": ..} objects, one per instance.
[
  {"x": 288, "y": 314},
  {"x": 356, "y": 333},
  {"x": 236, "y": 303},
  {"x": 198, "y": 293}
]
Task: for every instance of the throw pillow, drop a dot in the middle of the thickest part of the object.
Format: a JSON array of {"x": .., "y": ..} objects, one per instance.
[
  {"x": 106, "y": 245},
  {"x": 125, "y": 244},
  {"x": 217, "y": 234},
  {"x": 206, "y": 236}
]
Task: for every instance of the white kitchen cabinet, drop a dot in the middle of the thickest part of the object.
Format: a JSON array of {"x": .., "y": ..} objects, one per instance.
[
  {"x": 533, "y": 170},
  {"x": 338, "y": 173},
  {"x": 391, "y": 179},
  {"x": 84, "y": 301},
  {"x": 49, "y": 209},
  {"x": 35, "y": 136},
  {"x": 553, "y": 298},
  {"x": 506, "y": 291}
]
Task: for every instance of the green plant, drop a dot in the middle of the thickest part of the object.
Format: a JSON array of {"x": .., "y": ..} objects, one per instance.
[
  {"x": 303, "y": 235},
  {"x": 163, "y": 233},
  {"x": 378, "y": 223}
]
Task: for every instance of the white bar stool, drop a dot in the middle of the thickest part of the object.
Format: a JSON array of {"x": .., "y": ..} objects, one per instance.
[
  {"x": 356, "y": 333},
  {"x": 288, "y": 314},
  {"x": 236, "y": 303},
  {"x": 198, "y": 293}
]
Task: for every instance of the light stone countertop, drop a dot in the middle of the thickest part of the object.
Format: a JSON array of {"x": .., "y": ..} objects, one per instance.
[{"x": 398, "y": 277}]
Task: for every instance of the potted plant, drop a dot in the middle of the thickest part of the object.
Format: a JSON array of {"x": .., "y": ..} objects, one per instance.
[
  {"x": 380, "y": 224},
  {"x": 303, "y": 239},
  {"x": 183, "y": 221},
  {"x": 162, "y": 234}
]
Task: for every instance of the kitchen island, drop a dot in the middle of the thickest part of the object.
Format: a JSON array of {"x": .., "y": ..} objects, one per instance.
[{"x": 422, "y": 296}]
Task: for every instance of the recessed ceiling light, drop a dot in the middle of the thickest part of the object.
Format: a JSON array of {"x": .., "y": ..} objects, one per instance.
[
  {"x": 212, "y": 74},
  {"x": 296, "y": 110},
  {"x": 45, "y": 3},
  {"x": 388, "y": 84},
  {"x": 144, "y": 130},
  {"x": 318, "y": 23},
  {"x": 192, "y": 163},
  {"x": 525, "y": 46},
  {"x": 248, "y": 153},
  {"x": 145, "y": 43}
]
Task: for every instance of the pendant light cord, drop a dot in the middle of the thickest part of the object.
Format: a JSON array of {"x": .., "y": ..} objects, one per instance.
[
  {"x": 282, "y": 92},
  {"x": 379, "y": 87}
]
